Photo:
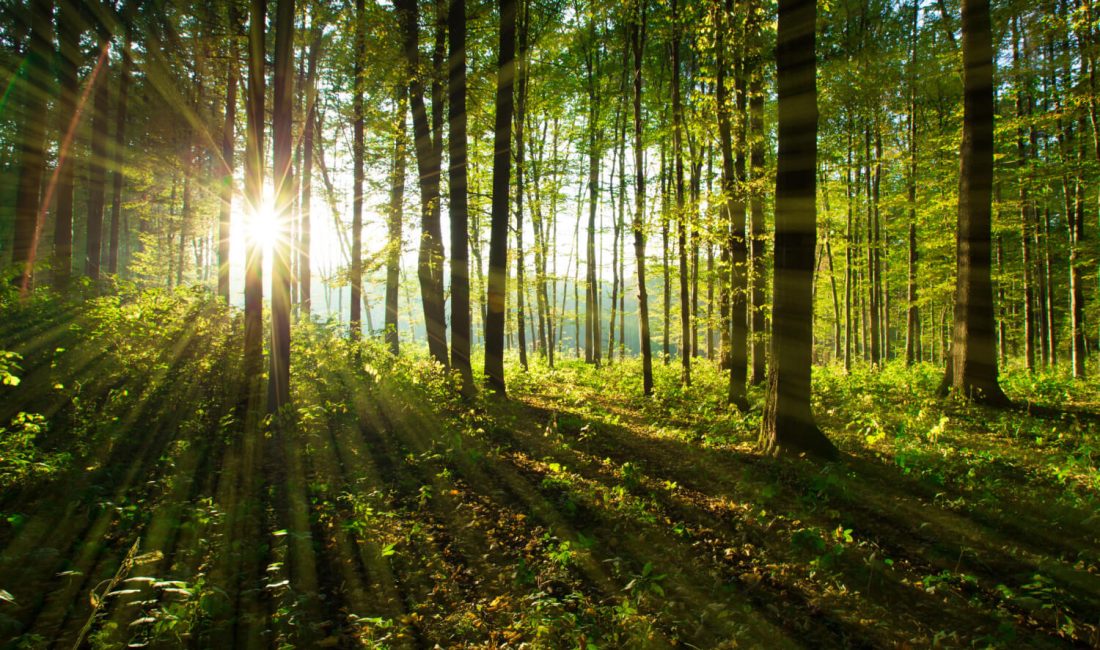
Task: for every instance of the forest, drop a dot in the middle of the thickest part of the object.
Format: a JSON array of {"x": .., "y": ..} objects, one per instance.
[{"x": 549, "y": 323}]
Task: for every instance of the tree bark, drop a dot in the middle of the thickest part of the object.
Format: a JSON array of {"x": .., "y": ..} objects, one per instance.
[
  {"x": 225, "y": 216},
  {"x": 254, "y": 183},
  {"x": 120, "y": 151},
  {"x": 68, "y": 38},
  {"x": 638, "y": 40},
  {"x": 735, "y": 250},
  {"x": 520, "y": 110},
  {"x": 355, "y": 272},
  {"x": 972, "y": 368},
  {"x": 912, "y": 317},
  {"x": 592, "y": 298},
  {"x": 429, "y": 151},
  {"x": 397, "y": 200},
  {"x": 759, "y": 239},
  {"x": 305, "y": 218},
  {"x": 460, "y": 248},
  {"x": 29, "y": 207},
  {"x": 498, "y": 236},
  {"x": 97, "y": 168},
  {"x": 681, "y": 212},
  {"x": 788, "y": 424},
  {"x": 283, "y": 146}
]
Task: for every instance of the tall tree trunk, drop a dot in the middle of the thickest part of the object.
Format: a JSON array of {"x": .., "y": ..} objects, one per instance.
[
  {"x": 788, "y": 423},
  {"x": 225, "y": 215},
  {"x": 97, "y": 164},
  {"x": 355, "y": 272},
  {"x": 305, "y": 217},
  {"x": 735, "y": 330},
  {"x": 1048, "y": 295},
  {"x": 254, "y": 184},
  {"x": 428, "y": 144},
  {"x": 29, "y": 207},
  {"x": 666, "y": 303},
  {"x": 120, "y": 151},
  {"x": 872, "y": 279},
  {"x": 972, "y": 369},
  {"x": 540, "y": 227},
  {"x": 681, "y": 212},
  {"x": 283, "y": 146},
  {"x": 592, "y": 299},
  {"x": 458, "y": 199},
  {"x": 498, "y": 229},
  {"x": 912, "y": 315},
  {"x": 1025, "y": 213},
  {"x": 68, "y": 121},
  {"x": 397, "y": 200},
  {"x": 759, "y": 240},
  {"x": 520, "y": 108},
  {"x": 618, "y": 226}
]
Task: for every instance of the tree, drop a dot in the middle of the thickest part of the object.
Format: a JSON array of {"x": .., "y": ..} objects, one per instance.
[
  {"x": 68, "y": 39},
  {"x": 283, "y": 146},
  {"x": 97, "y": 164},
  {"x": 254, "y": 187},
  {"x": 681, "y": 212},
  {"x": 121, "y": 114},
  {"x": 305, "y": 228},
  {"x": 637, "y": 41},
  {"x": 357, "y": 153},
  {"x": 428, "y": 142},
  {"x": 734, "y": 249},
  {"x": 972, "y": 366},
  {"x": 788, "y": 425},
  {"x": 35, "y": 89},
  {"x": 460, "y": 248},
  {"x": 228, "y": 151},
  {"x": 520, "y": 116},
  {"x": 397, "y": 200},
  {"x": 592, "y": 289},
  {"x": 912, "y": 318},
  {"x": 498, "y": 227}
]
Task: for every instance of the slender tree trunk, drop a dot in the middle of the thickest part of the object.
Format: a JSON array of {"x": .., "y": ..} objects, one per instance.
[
  {"x": 305, "y": 220},
  {"x": 735, "y": 272},
  {"x": 872, "y": 279},
  {"x": 97, "y": 167},
  {"x": 397, "y": 200},
  {"x": 428, "y": 144},
  {"x": 1025, "y": 213},
  {"x": 458, "y": 199},
  {"x": 119, "y": 154},
  {"x": 1002, "y": 339},
  {"x": 758, "y": 239},
  {"x": 972, "y": 368},
  {"x": 666, "y": 304},
  {"x": 283, "y": 147},
  {"x": 788, "y": 423},
  {"x": 520, "y": 109},
  {"x": 912, "y": 316},
  {"x": 29, "y": 206},
  {"x": 681, "y": 212},
  {"x": 355, "y": 272},
  {"x": 618, "y": 227},
  {"x": 68, "y": 121},
  {"x": 592, "y": 298},
  {"x": 498, "y": 237},
  {"x": 225, "y": 215},
  {"x": 254, "y": 183},
  {"x": 1048, "y": 295}
]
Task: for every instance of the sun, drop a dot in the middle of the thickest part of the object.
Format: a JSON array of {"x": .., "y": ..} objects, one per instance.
[{"x": 262, "y": 226}]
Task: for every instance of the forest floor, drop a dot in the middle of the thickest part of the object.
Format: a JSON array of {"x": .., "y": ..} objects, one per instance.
[{"x": 142, "y": 503}]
